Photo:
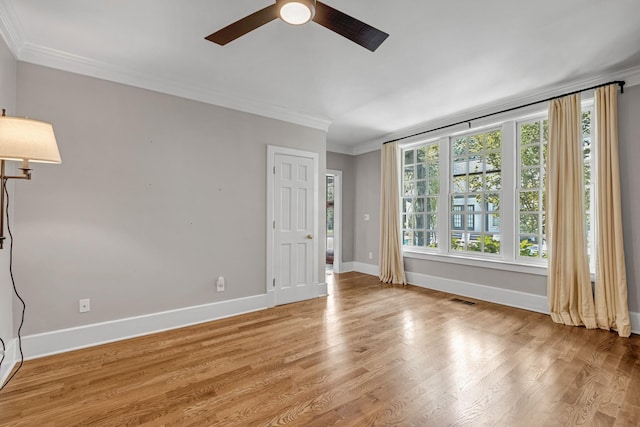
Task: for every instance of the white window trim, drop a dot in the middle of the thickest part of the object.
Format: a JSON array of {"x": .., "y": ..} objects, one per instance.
[
  {"x": 412, "y": 145},
  {"x": 463, "y": 258},
  {"x": 528, "y": 119},
  {"x": 502, "y": 256}
]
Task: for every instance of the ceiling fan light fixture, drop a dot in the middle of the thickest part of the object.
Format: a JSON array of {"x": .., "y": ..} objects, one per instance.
[{"x": 296, "y": 12}]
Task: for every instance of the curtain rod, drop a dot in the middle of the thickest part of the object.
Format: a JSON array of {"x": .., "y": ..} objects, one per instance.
[{"x": 618, "y": 82}]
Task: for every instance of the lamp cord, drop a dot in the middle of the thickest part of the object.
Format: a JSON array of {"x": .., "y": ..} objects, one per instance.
[{"x": 15, "y": 290}]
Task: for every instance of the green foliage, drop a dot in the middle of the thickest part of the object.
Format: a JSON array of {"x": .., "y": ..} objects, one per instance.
[
  {"x": 456, "y": 244},
  {"x": 586, "y": 123},
  {"x": 491, "y": 245},
  {"x": 529, "y": 223},
  {"x": 330, "y": 219},
  {"x": 330, "y": 189},
  {"x": 525, "y": 249},
  {"x": 533, "y": 152},
  {"x": 530, "y": 133},
  {"x": 474, "y": 246},
  {"x": 408, "y": 157}
]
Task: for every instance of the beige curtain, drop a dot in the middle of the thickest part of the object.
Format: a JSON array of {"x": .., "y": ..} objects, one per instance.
[
  {"x": 569, "y": 284},
  {"x": 391, "y": 266},
  {"x": 612, "y": 309}
]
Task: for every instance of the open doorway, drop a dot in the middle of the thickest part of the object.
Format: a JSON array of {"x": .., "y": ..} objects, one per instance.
[{"x": 333, "y": 184}]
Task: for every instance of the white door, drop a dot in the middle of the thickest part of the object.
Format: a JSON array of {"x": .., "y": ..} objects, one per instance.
[{"x": 294, "y": 227}]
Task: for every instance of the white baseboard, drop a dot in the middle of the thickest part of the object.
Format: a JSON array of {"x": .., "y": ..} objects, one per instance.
[
  {"x": 10, "y": 359},
  {"x": 635, "y": 322},
  {"x": 511, "y": 298},
  {"x": 322, "y": 289},
  {"x": 338, "y": 267},
  {"x": 361, "y": 267},
  {"x": 502, "y": 296},
  {"x": 346, "y": 267},
  {"x": 60, "y": 341}
]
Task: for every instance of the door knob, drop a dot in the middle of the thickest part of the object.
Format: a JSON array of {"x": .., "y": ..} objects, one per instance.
[{"x": 309, "y": 236}]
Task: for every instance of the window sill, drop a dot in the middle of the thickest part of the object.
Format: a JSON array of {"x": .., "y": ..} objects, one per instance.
[{"x": 495, "y": 264}]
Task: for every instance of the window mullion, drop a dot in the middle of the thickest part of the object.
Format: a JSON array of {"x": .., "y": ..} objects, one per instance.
[
  {"x": 508, "y": 207},
  {"x": 443, "y": 197}
]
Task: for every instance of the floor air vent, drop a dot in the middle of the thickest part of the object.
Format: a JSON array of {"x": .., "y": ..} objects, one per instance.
[{"x": 462, "y": 301}]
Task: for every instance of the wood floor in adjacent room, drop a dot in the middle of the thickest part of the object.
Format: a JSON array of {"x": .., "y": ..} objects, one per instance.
[{"x": 367, "y": 355}]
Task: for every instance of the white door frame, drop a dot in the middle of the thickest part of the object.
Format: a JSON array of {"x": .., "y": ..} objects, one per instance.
[
  {"x": 337, "y": 219},
  {"x": 272, "y": 150}
]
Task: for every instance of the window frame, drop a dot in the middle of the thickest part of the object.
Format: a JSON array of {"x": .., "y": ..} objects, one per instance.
[
  {"x": 428, "y": 228},
  {"x": 589, "y": 105},
  {"x": 540, "y": 118},
  {"x": 483, "y": 212},
  {"x": 508, "y": 259}
]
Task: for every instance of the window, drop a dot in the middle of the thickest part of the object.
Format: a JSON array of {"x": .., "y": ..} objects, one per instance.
[
  {"x": 495, "y": 192},
  {"x": 330, "y": 204},
  {"x": 457, "y": 218},
  {"x": 471, "y": 218},
  {"x": 476, "y": 181},
  {"x": 421, "y": 188},
  {"x": 587, "y": 138},
  {"x": 532, "y": 143}
]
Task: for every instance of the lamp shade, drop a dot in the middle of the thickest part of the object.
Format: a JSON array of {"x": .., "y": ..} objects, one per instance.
[{"x": 26, "y": 139}]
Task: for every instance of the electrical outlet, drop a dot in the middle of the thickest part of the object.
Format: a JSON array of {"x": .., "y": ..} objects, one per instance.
[
  {"x": 220, "y": 284},
  {"x": 84, "y": 305},
  {"x": 370, "y": 255}
]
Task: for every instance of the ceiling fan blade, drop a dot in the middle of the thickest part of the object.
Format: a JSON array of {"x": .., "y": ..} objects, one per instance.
[
  {"x": 243, "y": 26},
  {"x": 357, "y": 31}
]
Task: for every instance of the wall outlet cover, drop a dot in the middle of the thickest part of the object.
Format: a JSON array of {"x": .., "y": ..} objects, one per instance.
[{"x": 84, "y": 305}]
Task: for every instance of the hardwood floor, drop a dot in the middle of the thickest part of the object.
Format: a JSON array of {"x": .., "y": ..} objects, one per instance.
[{"x": 369, "y": 354}]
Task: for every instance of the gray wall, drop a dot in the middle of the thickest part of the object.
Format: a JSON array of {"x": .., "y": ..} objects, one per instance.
[
  {"x": 367, "y": 201},
  {"x": 368, "y": 198},
  {"x": 629, "y": 136},
  {"x": 7, "y": 100},
  {"x": 346, "y": 164},
  {"x": 156, "y": 196}
]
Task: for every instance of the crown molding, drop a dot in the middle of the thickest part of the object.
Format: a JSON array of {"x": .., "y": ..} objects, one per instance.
[
  {"x": 339, "y": 148},
  {"x": 13, "y": 34},
  {"x": 10, "y": 28},
  {"x": 64, "y": 61},
  {"x": 631, "y": 77},
  {"x": 368, "y": 147}
]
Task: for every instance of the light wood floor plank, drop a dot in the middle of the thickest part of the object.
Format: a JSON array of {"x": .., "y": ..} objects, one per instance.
[{"x": 369, "y": 354}]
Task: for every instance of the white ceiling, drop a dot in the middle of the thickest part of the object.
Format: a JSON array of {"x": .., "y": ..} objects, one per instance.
[{"x": 443, "y": 57}]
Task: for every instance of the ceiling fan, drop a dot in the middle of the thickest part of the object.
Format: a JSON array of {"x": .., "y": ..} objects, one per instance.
[{"x": 298, "y": 12}]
